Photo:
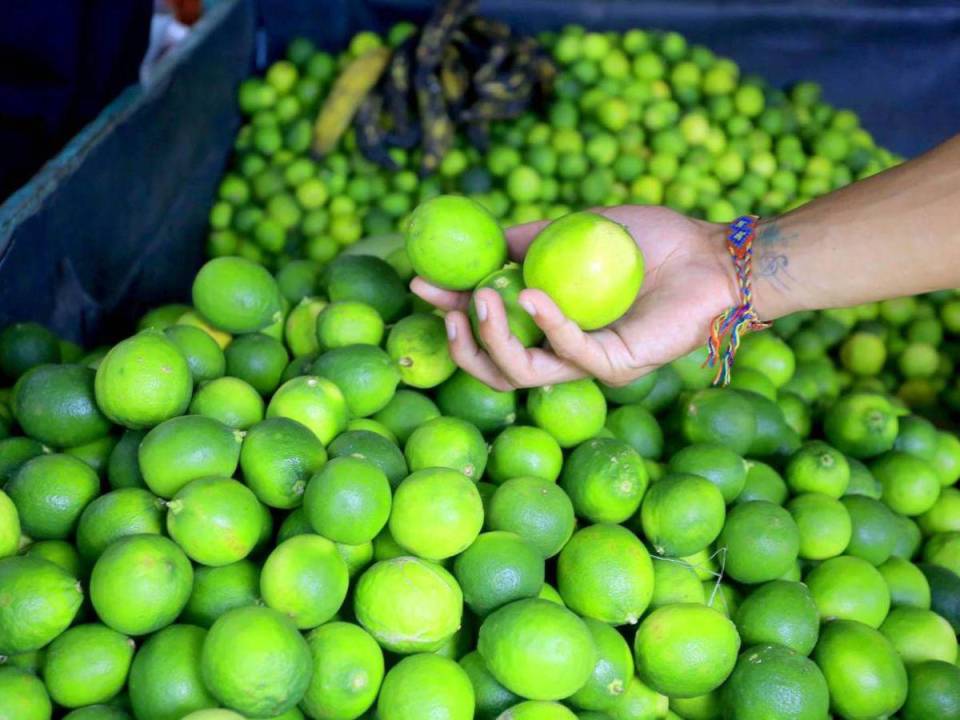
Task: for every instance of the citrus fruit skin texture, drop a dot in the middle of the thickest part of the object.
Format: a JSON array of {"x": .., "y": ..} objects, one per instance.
[
  {"x": 305, "y": 579},
  {"x": 685, "y": 650},
  {"x": 491, "y": 697},
  {"x": 910, "y": 485},
  {"x": 861, "y": 425},
  {"x": 409, "y": 605},
  {"x": 675, "y": 582},
  {"x": 864, "y": 674},
  {"x": 426, "y": 686},
  {"x": 9, "y": 526},
  {"x": 612, "y": 673},
  {"x": 372, "y": 448},
  {"x": 907, "y": 583},
  {"x": 86, "y": 665},
  {"x": 537, "y": 710},
  {"x": 56, "y": 405},
  {"x": 407, "y": 411},
  {"x": 534, "y": 508},
  {"x": 24, "y": 346},
  {"x": 524, "y": 451},
  {"x": 781, "y": 612},
  {"x": 365, "y": 374},
  {"x": 40, "y": 602},
  {"x": 849, "y": 588},
  {"x": 572, "y": 412},
  {"x": 763, "y": 483},
  {"x": 537, "y": 649},
  {"x": 498, "y": 568},
  {"x": 418, "y": 345},
  {"x": 218, "y": 589},
  {"x": 818, "y": 467},
  {"x": 255, "y": 661},
  {"x": 873, "y": 529},
  {"x": 770, "y": 681},
  {"x": 605, "y": 479},
  {"x": 236, "y": 295},
  {"x": 127, "y": 511},
  {"x": 824, "y": 524},
  {"x": 508, "y": 282},
  {"x": 463, "y": 396},
  {"x": 589, "y": 265},
  {"x": 50, "y": 493},
  {"x": 721, "y": 417},
  {"x": 143, "y": 381},
  {"x": 934, "y": 691},
  {"x": 762, "y": 542},
  {"x": 230, "y": 400},
  {"x": 682, "y": 514},
  {"x": 59, "y": 552},
  {"x": 213, "y": 714},
  {"x": 920, "y": 635},
  {"x": 447, "y": 442},
  {"x": 347, "y": 672},
  {"x": 277, "y": 458},
  {"x": 23, "y": 696},
  {"x": 314, "y": 402},
  {"x": 140, "y": 584},
  {"x": 454, "y": 242},
  {"x": 203, "y": 355},
  {"x": 348, "y": 323},
  {"x": 605, "y": 572},
  {"x": 348, "y": 501},
  {"x": 637, "y": 701}
]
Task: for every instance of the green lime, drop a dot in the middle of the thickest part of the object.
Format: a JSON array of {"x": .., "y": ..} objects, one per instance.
[
  {"x": 437, "y": 513},
  {"x": 537, "y": 710},
  {"x": 236, "y": 295},
  {"x": 365, "y": 374},
  {"x": 934, "y": 691},
  {"x": 55, "y": 404},
  {"x": 682, "y": 514},
  {"x": 762, "y": 542},
  {"x": 255, "y": 662},
  {"x": 637, "y": 426},
  {"x": 298, "y": 279},
  {"x": 605, "y": 479},
  {"x": 305, "y": 579},
  {"x": 348, "y": 500},
  {"x": 9, "y": 526},
  {"x": 467, "y": 398},
  {"x": 498, "y": 567},
  {"x": 768, "y": 354},
  {"x": 943, "y": 549},
  {"x": 257, "y": 359},
  {"x": 818, "y": 467},
  {"x": 88, "y": 664},
  {"x": 862, "y": 481},
  {"x": 917, "y": 436},
  {"x": 920, "y": 635},
  {"x": 59, "y": 552},
  {"x": 796, "y": 412},
  {"x": 537, "y": 649},
  {"x": 907, "y": 584},
  {"x": 447, "y": 442},
  {"x": 426, "y": 686},
  {"x": 918, "y": 360},
  {"x": 864, "y": 354},
  {"x": 492, "y": 698},
  {"x": 143, "y": 381},
  {"x": 524, "y": 451},
  {"x": 300, "y": 327},
  {"x": 24, "y": 346},
  {"x": 366, "y": 279},
  {"x": 873, "y": 529},
  {"x": 508, "y": 282},
  {"x": 944, "y": 516},
  {"x": 418, "y": 345},
  {"x": 95, "y": 454},
  {"x": 374, "y": 449},
  {"x": 40, "y": 601},
  {"x": 633, "y": 392},
  {"x": 694, "y": 373},
  {"x": 407, "y": 411},
  {"x": 762, "y": 483},
  {"x": 637, "y": 702},
  {"x": 357, "y": 557},
  {"x": 775, "y": 682},
  {"x": 169, "y": 660},
  {"x": 454, "y": 242},
  {"x": 348, "y": 323},
  {"x": 218, "y": 589},
  {"x": 128, "y": 511},
  {"x": 213, "y": 714},
  {"x": 186, "y": 448},
  {"x": 50, "y": 492},
  {"x": 216, "y": 520},
  {"x": 865, "y": 676},
  {"x": 674, "y": 581},
  {"x": 162, "y": 317},
  {"x": 571, "y": 412},
  {"x": 754, "y": 381},
  {"x": 605, "y": 572},
  {"x": 721, "y": 417},
  {"x": 375, "y": 427},
  {"x": 315, "y": 402},
  {"x": 347, "y": 672},
  {"x": 409, "y": 605},
  {"x": 192, "y": 318},
  {"x": 910, "y": 485},
  {"x": 685, "y": 650},
  {"x": 23, "y": 696},
  {"x": 861, "y": 425},
  {"x": 278, "y": 457},
  {"x": 14, "y": 452},
  {"x": 535, "y": 509},
  {"x": 944, "y": 592},
  {"x": 612, "y": 672},
  {"x": 780, "y": 612},
  {"x": 230, "y": 400},
  {"x": 204, "y": 357},
  {"x": 824, "y": 524},
  {"x": 773, "y": 436},
  {"x": 849, "y": 588}
]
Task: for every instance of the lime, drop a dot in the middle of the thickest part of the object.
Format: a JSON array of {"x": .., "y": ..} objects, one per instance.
[
  {"x": 55, "y": 404},
  {"x": 305, "y": 579},
  {"x": 637, "y": 426},
  {"x": 24, "y": 346},
  {"x": 357, "y": 557},
  {"x": 373, "y": 426},
  {"x": 865, "y": 676},
  {"x": 795, "y": 411},
  {"x": 589, "y": 265},
  {"x": 231, "y": 401},
  {"x": 426, "y": 686},
  {"x": 315, "y": 402},
  {"x": 537, "y": 710},
  {"x": 59, "y": 552},
  {"x": 454, "y": 242},
  {"x": 861, "y": 425},
  {"x": 612, "y": 672},
  {"x": 348, "y": 323},
  {"x": 193, "y": 319},
  {"x": 694, "y": 373},
  {"x": 537, "y": 649},
  {"x": 721, "y": 417},
  {"x": 920, "y": 635},
  {"x": 498, "y": 567},
  {"x": 143, "y": 381},
  {"x": 348, "y": 500},
  {"x": 918, "y": 360},
  {"x": 469, "y": 399},
  {"x": 944, "y": 516},
  {"x": 169, "y": 660},
  {"x": 824, "y": 524},
  {"x": 523, "y": 451},
  {"x": 366, "y": 279},
  {"x": 772, "y": 436},
  {"x": 418, "y": 345},
  {"x": 204, "y": 357},
  {"x": 769, "y": 355},
  {"x": 946, "y": 458},
  {"x": 374, "y": 449},
  {"x": 508, "y": 282},
  {"x": 873, "y": 529},
  {"x": 14, "y": 452},
  {"x": 298, "y": 279},
  {"x": 88, "y": 664},
  {"x": 300, "y": 327},
  {"x": 862, "y": 481},
  {"x": 780, "y": 612},
  {"x": 934, "y": 691},
  {"x": 571, "y": 412},
  {"x": 40, "y": 601},
  {"x": 236, "y": 295},
  {"x": 128, "y": 511},
  {"x": 407, "y": 411},
  {"x": 213, "y": 714},
  {"x": 447, "y": 442},
  {"x": 633, "y": 392},
  {"x": 347, "y": 672},
  {"x": 849, "y": 588},
  {"x": 95, "y": 454},
  {"x": 50, "y": 492},
  {"x": 682, "y": 514},
  {"x": 409, "y": 605},
  {"x": 864, "y": 354},
  {"x": 917, "y": 436},
  {"x": 775, "y": 682},
  {"x": 719, "y": 465},
  {"x": 605, "y": 479},
  {"x": 907, "y": 584},
  {"x": 754, "y": 381},
  {"x": 605, "y": 572},
  {"x": 437, "y": 513},
  {"x": 218, "y": 589},
  {"x": 255, "y": 662},
  {"x": 492, "y": 698},
  {"x": 215, "y": 520},
  {"x": 162, "y": 317},
  {"x": 258, "y": 360},
  {"x": 685, "y": 650},
  {"x": 762, "y": 483},
  {"x": 674, "y": 581},
  {"x": 278, "y": 457},
  {"x": 365, "y": 375},
  {"x": 818, "y": 467},
  {"x": 23, "y": 696},
  {"x": 761, "y": 541},
  {"x": 9, "y": 526},
  {"x": 186, "y": 448},
  {"x": 637, "y": 702},
  {"x": 943, "y": 549},
  {"x": 910, "y": 485},
  {"x": 534, "y": 508}
]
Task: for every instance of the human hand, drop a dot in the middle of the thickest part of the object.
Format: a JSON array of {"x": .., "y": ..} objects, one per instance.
[{"x": 689, "y": 280}]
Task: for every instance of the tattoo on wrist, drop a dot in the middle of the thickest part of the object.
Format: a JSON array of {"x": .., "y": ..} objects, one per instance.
[{"x": 771, "y": 257}]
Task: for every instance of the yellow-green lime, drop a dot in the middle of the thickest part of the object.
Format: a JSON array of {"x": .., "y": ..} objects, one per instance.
[
  {"x": 861, "y": 425},
  {"x": 409, "y": 605},
  {"x": 780, "y": 612},
  {"x": 920, "y": 635},
  {"x": 127, "y": 511},
  {"x": 315, "y": 402},
  {"x": 862, "y": 481},
  {"x": 863, "y": 353},
  {"x": 761, "y": 541},
  {"x": 768, "y": 354},
  {"x": 407, "y": 411},
  {"x": 347, "y": 672},
  {"x": 637, "y": 426},
  {"x": 374, "y": 448},
  {"x": 465, "y": 397},
  {"x": 59, "y": 552},
  {"x": 674, "y": 581},
  {"x": 374, "y": 426},
  {"x": 418, "y": 345},
  {"x": 492, "y": 698},
  {"x": 934, "y": 691},
  {"x": 257, "y": 359},
  {"x": 86, "y": 665},
  {"x": 348, "y": 501},
  {"x": 770, "y": 681},
  {"x": 24, "y": 346},
  {"x": 944, "y": 516},
  {"x": 204, "y": 357},
  {"x": 943, "y": 549},
  {"x": 305, "y": 579},
  {"x": 498, "y": 567},
  {"x": 508, "y": 282},
  {"x": 50, "y": 492},
  {"x": 365, "y": 374},
  {"x": 605, "y": 479},
  {"x": 849, "y": 588},
  {"x": 236, "y": 295},
  {"x": 874, "y": 528},
  {"x": 278, "y": 458},
  {"x": 218, "y": 589},
  {"x": 348, "y": 323},
  {"x": 23, "y": 696},
  {"x": 612, "y": 672},
  {"x": 746, "y": 378},
  {"x": 721, "y": 417},
  {"x": 634, "y": 391},
  {"x": 763, "y": 483},
  {"x": 213, "y": 714},
  {"x": 255, "y": 661},
  {"x": 300, "y": 327},
  {"x": 426, "y": 685},
  {"x": 818, "y": 467},
  {"x": 910, "y": 485},
  {"x": 232, "y": 401},
  {"x": 524, "y": 451},
  {"x": 56, "y": 405},
  {"x": 537, "y": 710},
  {"x": 192, "y": 318},
  {"x": 946, "y": 458},
  {"x": 637, "y": 702},
  {"x": 535, "y": 509},
  {"x": 907, "y": 584},
  {"x": 143, "y": 381},
  {"x": 824, "y": 524},
  {"x": 682, "y": 514},
  {"x": 9, "y": 526},
  {"x": 720, "y": 465},
  {"x": 40, "y": 600},
  {"x": 571, "y": 412}
]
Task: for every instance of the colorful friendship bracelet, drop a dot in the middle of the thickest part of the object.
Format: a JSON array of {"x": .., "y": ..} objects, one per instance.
[{"x": 742, "y": 318}]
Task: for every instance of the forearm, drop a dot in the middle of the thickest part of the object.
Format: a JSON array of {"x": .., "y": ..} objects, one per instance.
[{"x": 896, "y": 233}]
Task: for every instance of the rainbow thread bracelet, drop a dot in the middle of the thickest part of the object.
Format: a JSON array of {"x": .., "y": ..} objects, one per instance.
[{"x": 742, "y": 318}]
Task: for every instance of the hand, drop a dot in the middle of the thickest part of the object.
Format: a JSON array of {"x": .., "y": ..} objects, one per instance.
[{"x": 689, "y": 280}]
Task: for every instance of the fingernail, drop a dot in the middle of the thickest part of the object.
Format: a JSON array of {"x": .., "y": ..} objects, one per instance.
[
  {"x": 481, "y": 310},
  {"x": 451, "y": 330},
  {"x": 529, "y": 307}
]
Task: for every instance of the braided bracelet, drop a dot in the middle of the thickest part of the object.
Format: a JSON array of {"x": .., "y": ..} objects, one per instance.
[{"x": 742, "y": 318}]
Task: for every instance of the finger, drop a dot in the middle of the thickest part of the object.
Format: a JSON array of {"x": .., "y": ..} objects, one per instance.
[
  {"x": 438, "y": 297},
  {"x": 467, "y": 355},
  {"x": 519, "y": 237}
]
